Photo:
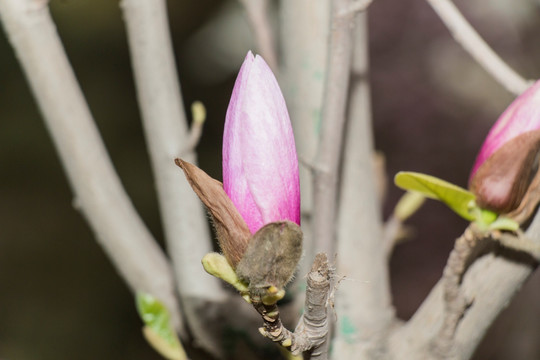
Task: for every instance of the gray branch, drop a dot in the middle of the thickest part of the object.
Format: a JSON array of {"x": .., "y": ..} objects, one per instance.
[
  {"x": 257, "y": 13},
  {"x": 186, "y": 230},
  {"x": 490, "y": 282},
  {"x": 97, "y": 188},
  {"x": 304, "y": 33},
  {"x": 363, "y": 304},
  {"x": 326, "y": 165},
  {"x": 310, "y": 335},
  {"x": 469, "y": 39}
]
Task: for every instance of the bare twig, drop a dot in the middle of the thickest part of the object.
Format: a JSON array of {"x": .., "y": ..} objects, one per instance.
[
  {"x": 314, "y": 326},
  {"x": 467, "y": 37},
  {"x": 96, "y": 185},
  {"x": 257, "y": 12},
  {"x": 364, "y": 311},
  {"x": 310, "y": 336},
  {"x": 455, "y": 302},
  {"x": 391, "y": 234},
  {"x": 186, "y": 230},
  {"x": 304, "y": 29},
  {"x": 490, "y": 282},
  {"x": 518, "y": 242},
  {"x": 325, "y": 180}
]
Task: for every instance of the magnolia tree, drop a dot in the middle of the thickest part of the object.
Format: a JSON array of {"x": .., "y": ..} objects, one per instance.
[{"x": 274, "y": 218}]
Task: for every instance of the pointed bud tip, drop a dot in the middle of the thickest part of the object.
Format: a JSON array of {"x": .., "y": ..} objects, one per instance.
[{"x": 260, "y": 165}]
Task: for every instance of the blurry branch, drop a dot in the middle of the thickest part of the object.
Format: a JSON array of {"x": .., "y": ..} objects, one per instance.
[
  {"x": 257, "y": 13},
  {"x": 304, "y": 29},
  {"x": 467, "y": 37},
  {"x": 328, "y": 155},
  {"x": 366, "y": 309},
  {"x": 490, "y": 282},
  {"x": 455, "y": 301},
  {"x": 98, "y": 191},
  {"x": 394, "y": 229},
  {"x": 186, "y": 231}
]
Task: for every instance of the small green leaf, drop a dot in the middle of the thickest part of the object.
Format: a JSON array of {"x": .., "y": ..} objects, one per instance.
[
  {"x": 456, "y": 198},
  {"x": 504, "y": 223},
  {"x": 408, "y": 204},
  {"x": 158, "y": 330},
  {"x": 217, "y": 265}
]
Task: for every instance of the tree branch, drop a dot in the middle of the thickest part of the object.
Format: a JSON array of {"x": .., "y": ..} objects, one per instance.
[
  {"x": 257, "y": 13},
  {"x": 99, "y": 193},
  {"x": 325, "y": 179},
  {"x": 310, "y": 335},
  {"x": 490, "y": 282},
  {"x": 455, "y": 301},
  {"x": 304, "y": 45},
  {"x": 469, "y": 39},
  {"x": 364, "y": 311},
  {"x": 186, "y": 230}
]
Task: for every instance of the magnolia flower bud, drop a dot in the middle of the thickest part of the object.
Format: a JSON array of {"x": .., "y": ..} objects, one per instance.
[
  {"x": 507, "y": 163},
  {"x": 260, "y": 167},
  {"x": 257, "y": 211}
]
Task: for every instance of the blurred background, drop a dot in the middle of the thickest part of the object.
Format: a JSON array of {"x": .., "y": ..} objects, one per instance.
[{"x": 60, "y": 298}]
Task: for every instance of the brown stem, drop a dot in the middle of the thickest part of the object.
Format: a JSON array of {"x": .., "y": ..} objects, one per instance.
[
  {"x": 455, "y": 303},
  {"x": 310, "y": 335}
]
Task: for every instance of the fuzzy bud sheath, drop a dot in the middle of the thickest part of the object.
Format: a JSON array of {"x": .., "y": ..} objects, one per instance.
[{"x": 507, "y": 162}]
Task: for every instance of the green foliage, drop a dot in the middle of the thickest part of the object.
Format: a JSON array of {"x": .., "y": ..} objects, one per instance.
[
  {"x": 408, "y": 204},
  {"x": 461, "y": 201},
  {"x": 217, "y": 265},
  {"x": 158, "y": 330}
]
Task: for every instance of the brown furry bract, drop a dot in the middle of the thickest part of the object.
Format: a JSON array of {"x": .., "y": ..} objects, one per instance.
[
  {"x": 232, "y": 231},
  {"x": 271, "y": 257}
]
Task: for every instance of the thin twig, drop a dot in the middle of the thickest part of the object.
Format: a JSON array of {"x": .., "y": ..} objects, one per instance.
[
  {"x": 92, "y": 177},
  {"x": 455, "y": 302},
  {"x": 518, "y": 242},
  {"x": 310, "y": 335},
  {"x": 392, "y": 229},
  {"x": 257, "y": 12},
  {"x": 329, "y": 152},
  {"x": 490, "y": 282},
  {"x": 364, "y": 311},
  {"x": 186, "y": 231},
  {"x": 304, "y": 28},
  {"x": 467, "y": 37}
]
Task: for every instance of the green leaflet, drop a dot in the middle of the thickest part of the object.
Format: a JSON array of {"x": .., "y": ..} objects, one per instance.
[
  {"x": 461, "y": 201},
  {"x": 408, "y": 204},
  {"x": 458, "y": 199},
  {"x": 159, "y": 331}
]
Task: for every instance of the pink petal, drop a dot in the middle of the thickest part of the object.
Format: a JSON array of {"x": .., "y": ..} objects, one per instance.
[
  {"x": 521, "y": 116},
  {"x": 260, "y": 166}
]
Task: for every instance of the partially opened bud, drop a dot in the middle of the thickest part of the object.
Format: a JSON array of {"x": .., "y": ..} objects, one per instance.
[
  {"x": 260, "y": 166},
  {"x": 507, "y": 162},
  {"x": 257, "y": 211}
]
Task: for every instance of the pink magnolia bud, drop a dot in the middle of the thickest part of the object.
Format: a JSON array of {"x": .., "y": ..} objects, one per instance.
[
  {"x": 506, "y": 165},
  {"x": 260, "y": 166}
]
